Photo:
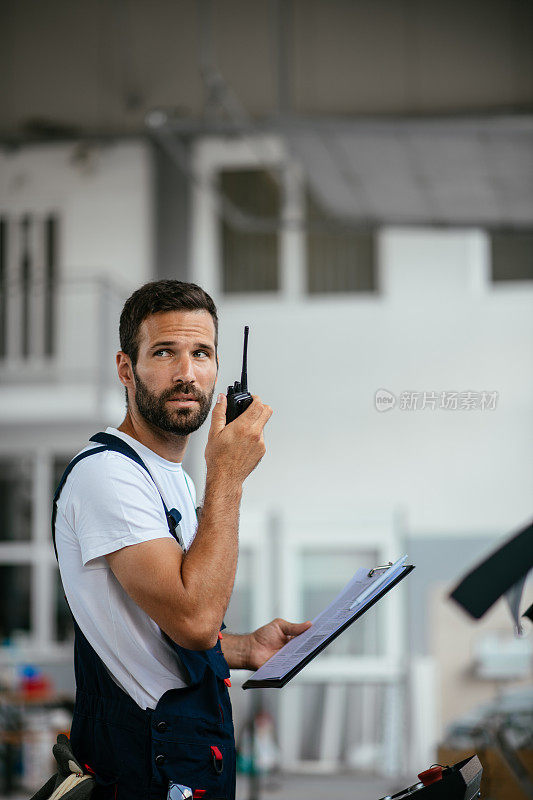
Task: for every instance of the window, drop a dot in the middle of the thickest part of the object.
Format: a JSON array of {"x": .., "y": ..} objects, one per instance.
[
  {"x": 3, "y": 285},
  {"x": 28, "y": 281},
  {"x": 15, "y": 581},
  {"x": 338, "y": 259},
  {"x": 63, "y": 618},
  {"x": 322, "y": 576},
  {"x": 511, "y": 255},
  {"x": 250, "y": 257},
  {"x": 50, "y": 282},
  {"x": 15, "y": 499},
  {"x": 16, "y": 483},
  {"x": 33, "y": 611}
]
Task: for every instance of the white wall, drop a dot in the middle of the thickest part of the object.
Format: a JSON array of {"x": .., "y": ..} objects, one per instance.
[{"x": 438, "y": 326}]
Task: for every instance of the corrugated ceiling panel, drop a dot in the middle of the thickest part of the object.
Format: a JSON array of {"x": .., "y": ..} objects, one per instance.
[{"x": 476, "y": 173}]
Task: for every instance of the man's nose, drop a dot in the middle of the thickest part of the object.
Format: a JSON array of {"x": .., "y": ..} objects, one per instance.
[{"x": 184, "y": 370}]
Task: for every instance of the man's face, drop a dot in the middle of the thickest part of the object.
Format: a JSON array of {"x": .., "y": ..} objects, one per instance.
[{"x": 176, "y": 370}]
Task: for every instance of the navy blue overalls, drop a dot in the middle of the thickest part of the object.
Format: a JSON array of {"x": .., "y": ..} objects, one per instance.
[{"x": 187, "y": 739}]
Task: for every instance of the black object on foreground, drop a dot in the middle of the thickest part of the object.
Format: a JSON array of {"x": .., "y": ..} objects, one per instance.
[
  {"x": 69, "y": 782},
  {"x": 460, "y": 782},
  {"x": 504, "y": 571}
]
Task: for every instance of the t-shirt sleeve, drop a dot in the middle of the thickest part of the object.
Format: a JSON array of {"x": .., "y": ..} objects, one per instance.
[{"x": 113, "y": 503}]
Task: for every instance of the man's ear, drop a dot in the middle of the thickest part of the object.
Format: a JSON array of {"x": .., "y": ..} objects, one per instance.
[{"x": 124, "y": 369}]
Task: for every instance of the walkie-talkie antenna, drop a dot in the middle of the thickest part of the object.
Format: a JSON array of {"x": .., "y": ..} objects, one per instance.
[
  {"x": 238, "y": 396},
  {"x": 244, "y": 374}
]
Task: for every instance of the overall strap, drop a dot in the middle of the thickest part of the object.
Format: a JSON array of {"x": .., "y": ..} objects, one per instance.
[{"x": 110, "y": 442}]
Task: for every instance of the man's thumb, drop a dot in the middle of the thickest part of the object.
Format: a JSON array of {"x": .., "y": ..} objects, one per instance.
[
  {"x": 294, "y": 628},
  {"x": 218, "y": 416}
]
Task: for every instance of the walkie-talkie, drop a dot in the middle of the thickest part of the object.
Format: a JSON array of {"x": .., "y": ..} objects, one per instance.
[{"x": 238, "y": 396}]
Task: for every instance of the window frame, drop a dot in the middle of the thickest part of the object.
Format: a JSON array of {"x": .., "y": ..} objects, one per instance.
[
  {"x": 38, "y": 553},
  {"x": 210, "y": 156}
]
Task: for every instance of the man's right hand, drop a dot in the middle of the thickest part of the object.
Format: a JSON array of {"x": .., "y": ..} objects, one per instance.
[{"x": 234, "y": 450}]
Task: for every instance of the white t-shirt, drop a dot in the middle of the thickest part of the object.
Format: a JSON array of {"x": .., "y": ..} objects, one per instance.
[{"x": 109, "y": 502}]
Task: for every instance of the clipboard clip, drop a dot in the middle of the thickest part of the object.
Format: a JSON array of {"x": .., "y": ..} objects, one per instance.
[{"x": 375, "y": 569}]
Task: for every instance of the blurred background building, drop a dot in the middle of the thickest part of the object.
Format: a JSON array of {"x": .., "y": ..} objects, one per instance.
[{"x": 354, "y": 180}]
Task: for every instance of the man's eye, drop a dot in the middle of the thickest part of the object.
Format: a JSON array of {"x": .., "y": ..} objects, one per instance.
[
  {"x": 161, "y": 352},
  {"x": 202, "y": 353}
]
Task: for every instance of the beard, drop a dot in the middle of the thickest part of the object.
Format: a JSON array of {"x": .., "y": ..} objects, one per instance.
[{"x": 179, "y": 421}]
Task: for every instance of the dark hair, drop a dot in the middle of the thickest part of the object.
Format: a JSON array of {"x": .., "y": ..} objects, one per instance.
[{"x": 156, "y": 296}]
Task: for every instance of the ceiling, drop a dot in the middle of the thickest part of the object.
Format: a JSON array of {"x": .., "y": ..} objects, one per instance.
[
  {"x": 406, "y": 111},
  {"x": 98, "y": 66}
]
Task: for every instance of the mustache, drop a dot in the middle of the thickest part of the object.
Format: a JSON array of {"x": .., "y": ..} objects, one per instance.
[{"x": 182, "y": 388}]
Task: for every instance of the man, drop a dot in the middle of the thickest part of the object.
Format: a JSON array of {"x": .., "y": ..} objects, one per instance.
[{"x": 148, "y": 587}]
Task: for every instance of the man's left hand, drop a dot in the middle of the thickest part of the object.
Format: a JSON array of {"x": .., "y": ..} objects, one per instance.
[{"x": 268, "y": 639}]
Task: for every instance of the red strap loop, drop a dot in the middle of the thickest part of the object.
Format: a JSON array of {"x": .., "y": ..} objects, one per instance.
[
  {"x": 218, "y": 760},
  {"x": 431, "y": 775}
]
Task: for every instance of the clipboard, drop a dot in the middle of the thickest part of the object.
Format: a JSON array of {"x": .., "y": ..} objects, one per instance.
[{"x": 360, "y": 608}]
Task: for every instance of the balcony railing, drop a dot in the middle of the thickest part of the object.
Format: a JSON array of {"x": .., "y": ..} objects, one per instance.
[{"x": 59, "y": 332}]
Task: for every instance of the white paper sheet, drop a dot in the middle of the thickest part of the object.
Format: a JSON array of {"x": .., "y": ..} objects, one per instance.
[{"x": 343, "y": 608}]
